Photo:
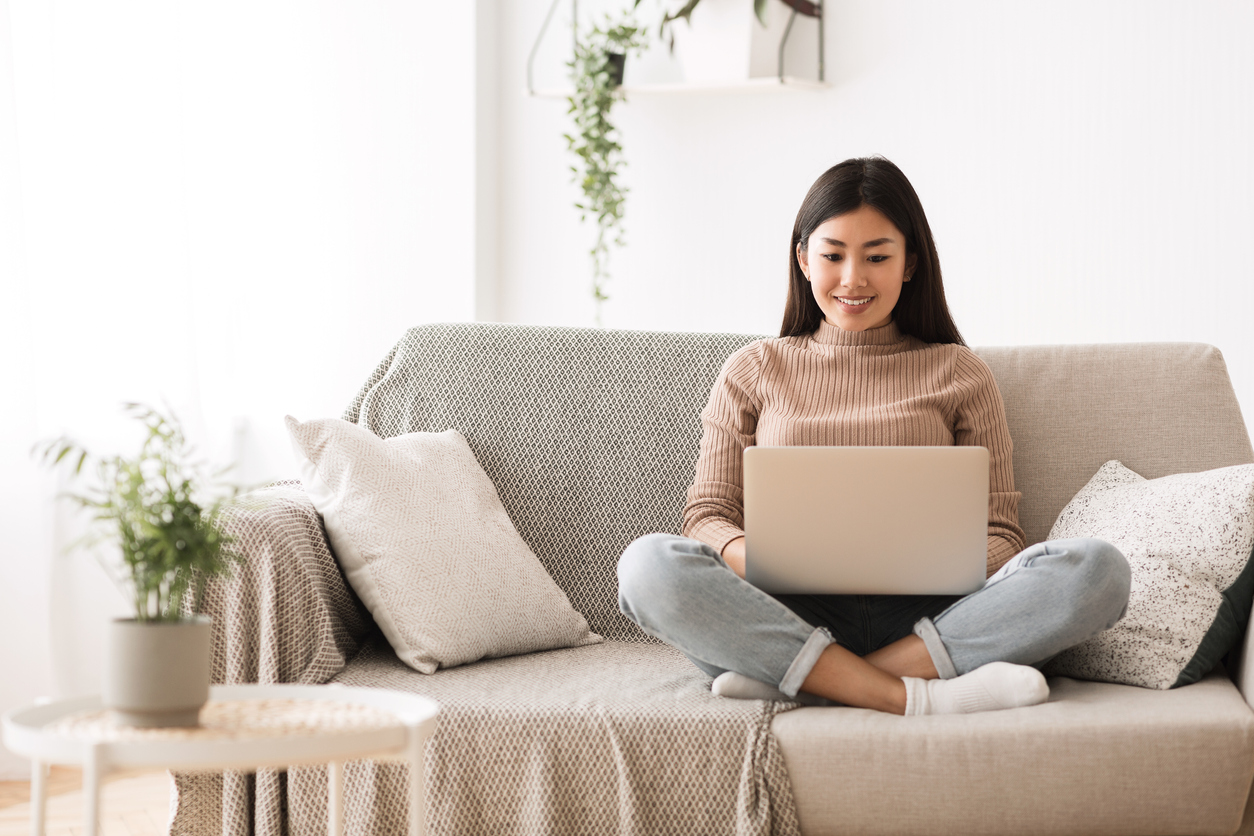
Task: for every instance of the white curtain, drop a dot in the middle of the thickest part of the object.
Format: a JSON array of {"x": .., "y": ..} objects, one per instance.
[{"x": 233, "y": 208}]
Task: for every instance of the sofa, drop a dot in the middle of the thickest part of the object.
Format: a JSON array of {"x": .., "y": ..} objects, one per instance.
[{"x": 590, "y": 437}]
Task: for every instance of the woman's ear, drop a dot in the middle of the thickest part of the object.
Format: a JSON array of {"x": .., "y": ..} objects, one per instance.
[
  {"x": 803, "y": 260},
  {"x": 911, "y": 263}
]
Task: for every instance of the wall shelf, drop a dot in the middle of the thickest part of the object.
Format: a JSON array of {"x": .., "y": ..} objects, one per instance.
[{"x": 750, "y": 84}]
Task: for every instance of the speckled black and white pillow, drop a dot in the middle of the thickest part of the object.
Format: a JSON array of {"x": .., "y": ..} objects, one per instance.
[{"x": 1188, "y": 539}]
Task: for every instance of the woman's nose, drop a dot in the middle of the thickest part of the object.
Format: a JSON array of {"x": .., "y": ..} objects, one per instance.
[{"x": 851, "y": 276}]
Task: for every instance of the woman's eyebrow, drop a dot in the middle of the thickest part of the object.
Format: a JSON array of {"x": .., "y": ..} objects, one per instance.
[{"x": 874, "y": 243}]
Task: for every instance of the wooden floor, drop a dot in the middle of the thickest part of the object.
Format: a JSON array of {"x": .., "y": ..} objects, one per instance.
[{"x": 136, "y": 805}]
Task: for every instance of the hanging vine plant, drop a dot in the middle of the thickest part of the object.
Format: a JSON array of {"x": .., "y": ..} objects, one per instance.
[{"x": 597, "y": 72}]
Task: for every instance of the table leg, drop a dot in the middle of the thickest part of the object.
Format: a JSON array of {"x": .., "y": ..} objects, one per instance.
[
  {"x": 92, "y": 767},
  {"x": 38, "y": 797},
  {"x": 417, "y": 784},
  {"x": 335, "y": 799}
]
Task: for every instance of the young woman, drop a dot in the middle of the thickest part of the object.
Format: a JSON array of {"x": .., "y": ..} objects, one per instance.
[{"x": 867, "y": 355}]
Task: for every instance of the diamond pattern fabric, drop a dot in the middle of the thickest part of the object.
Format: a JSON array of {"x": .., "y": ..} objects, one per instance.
[
  {"x": 421, "y": 535},
  {"x": 622, "y": 737},
  {"x": 590, "y": 438},
  {"x": 288, "y": 615},
  {"x": 285, "y": 615}
]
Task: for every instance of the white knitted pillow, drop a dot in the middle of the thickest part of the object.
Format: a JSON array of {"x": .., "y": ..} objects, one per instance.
[
  {"x": 1187, "y": 539},
  {"x": 422, "y": 536}
]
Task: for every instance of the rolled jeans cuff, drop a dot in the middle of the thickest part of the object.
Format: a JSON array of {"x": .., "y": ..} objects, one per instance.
[
  {"x": 926, "y": 630},
  {"x": 805, "y": 661}
]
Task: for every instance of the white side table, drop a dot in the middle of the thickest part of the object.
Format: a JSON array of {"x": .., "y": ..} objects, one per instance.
[{"x": 242, "y": 727}]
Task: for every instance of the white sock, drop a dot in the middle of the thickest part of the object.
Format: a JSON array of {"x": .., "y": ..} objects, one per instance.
[
  {"x": 740, "y": 687},
  {"x": 992, "y": 687}
]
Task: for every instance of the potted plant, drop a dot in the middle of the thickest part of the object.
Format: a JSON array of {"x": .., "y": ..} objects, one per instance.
[
  {"x": 154, "y": 507},
  {"x": 597, "y": 72}
]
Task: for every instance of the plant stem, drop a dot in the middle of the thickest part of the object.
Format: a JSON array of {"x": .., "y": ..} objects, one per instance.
[{"x": 594, "y": 141}]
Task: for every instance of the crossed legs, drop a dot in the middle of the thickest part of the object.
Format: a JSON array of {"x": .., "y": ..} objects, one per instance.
[{"x": 1048, "y": 598}]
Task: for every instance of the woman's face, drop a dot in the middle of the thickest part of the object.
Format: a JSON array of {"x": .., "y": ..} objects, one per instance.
[{"x": 856, "y": 264}]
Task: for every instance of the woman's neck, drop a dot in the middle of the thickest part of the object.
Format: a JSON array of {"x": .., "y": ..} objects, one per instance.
[{"x": 829, "y": 334}]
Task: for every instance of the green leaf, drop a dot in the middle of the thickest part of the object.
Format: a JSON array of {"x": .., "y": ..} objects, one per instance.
[
  {"x": 685, "y": 12},
  {"x": 150, "y": 507},
  {"x": 759, "y": 9},
  {"x": 593, "y": 141}
]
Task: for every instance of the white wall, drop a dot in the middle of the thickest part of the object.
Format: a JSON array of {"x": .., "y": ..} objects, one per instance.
[
  {"x": 1086, "y": 168},
  {"x": 237, "y": 207},
  {"x": 26, "y": 657}
]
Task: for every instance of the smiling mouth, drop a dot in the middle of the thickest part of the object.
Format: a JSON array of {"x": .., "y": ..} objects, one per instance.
[{"x": 854, "y": 303}]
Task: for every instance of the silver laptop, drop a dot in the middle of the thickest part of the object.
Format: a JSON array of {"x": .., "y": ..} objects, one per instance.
[{"x": 869, "y": 520}]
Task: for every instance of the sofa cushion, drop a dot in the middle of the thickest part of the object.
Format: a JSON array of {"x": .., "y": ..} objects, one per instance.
[
  {"x": 1187, "y": 538},
  {"x": 1098, "y": 759},
  {"x": 423, "y": 539}
]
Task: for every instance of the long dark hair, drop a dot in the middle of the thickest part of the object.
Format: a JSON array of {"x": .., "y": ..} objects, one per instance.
[{"x": 921, "y": 310}]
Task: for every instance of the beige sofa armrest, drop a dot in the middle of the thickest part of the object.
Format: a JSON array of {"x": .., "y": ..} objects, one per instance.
[
  {"x": 286, "y": 614},
  {"x": 1240, "y": 663}
]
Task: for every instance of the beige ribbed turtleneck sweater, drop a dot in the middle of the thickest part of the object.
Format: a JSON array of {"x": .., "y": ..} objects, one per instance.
[{"x": 839, "y": 387}]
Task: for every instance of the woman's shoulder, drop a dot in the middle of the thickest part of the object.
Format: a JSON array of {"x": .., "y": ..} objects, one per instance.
[
  {"x": 755, "y": 353},
  {"x": 969, "y": 369},
  {"x": 764, "y": 357},
  {"x": 744, "y": 364},
  {"x": 769, "y": 355},
  {"x": 968, "y": 362},
  {"x": 952, "y": 352},
  {"x": 748, "y": 353},
  {"x": 964, "y": 365}
]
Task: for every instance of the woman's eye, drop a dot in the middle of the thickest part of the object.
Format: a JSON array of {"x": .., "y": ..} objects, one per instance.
[
  {"x": 833, "y": 256},
  {"x": 876, "y": 259}
]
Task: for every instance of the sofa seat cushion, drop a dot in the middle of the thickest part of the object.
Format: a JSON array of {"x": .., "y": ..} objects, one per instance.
[
  {"x": 1097, "y": 759},
  {"x": 618, "y": 737}
]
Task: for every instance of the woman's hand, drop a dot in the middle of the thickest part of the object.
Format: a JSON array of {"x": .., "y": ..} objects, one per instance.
[{"x": 734, "y": 555}]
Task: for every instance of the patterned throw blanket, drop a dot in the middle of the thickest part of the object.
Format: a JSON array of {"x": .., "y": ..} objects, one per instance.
[
  {"x": 590, "y": 437},
  {"x": 622, "y": 737}
]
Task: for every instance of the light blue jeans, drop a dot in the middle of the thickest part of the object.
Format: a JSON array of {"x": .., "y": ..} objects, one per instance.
[{"x": 1049, "y": 597}]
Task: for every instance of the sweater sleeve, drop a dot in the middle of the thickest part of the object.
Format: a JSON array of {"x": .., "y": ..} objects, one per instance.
[
  {"x": 714, "y": 513},
  {"x": 980, "y": 421}
]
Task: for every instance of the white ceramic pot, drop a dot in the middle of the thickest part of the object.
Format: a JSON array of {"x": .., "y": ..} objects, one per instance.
[
  {"x": 157, "y": 673},
  {"x": 725, "y": 43}
]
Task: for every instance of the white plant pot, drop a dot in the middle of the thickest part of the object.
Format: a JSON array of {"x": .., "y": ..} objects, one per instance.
[
  {"x": 725, "y": 43},
  {"x": 157, "y": 674}
]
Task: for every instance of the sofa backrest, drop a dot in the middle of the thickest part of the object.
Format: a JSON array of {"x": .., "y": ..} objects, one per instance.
[
  {"x": 1160, "y": 408},
  {"x": 591, "y": 436}
]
